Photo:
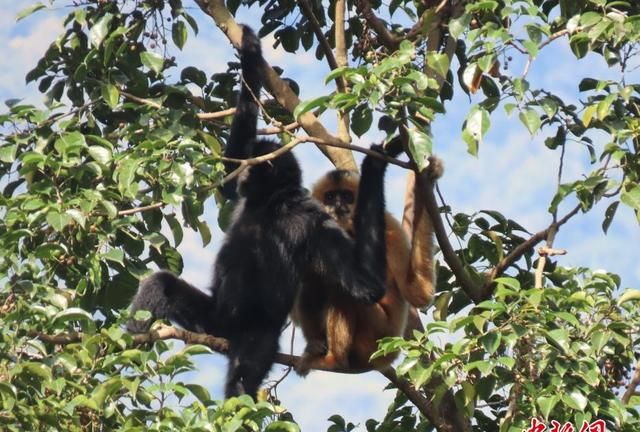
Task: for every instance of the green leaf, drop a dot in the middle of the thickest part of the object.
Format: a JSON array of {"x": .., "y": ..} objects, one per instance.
[
  {"x": 337, "y": 72},
  {"x": 531, "y": 47},
  {"x": 629, "y": 295},
  {"x": 439, "y": 63},
  {"x": 282, "y": 426},
  {"x": 100, "y": 30},
  {"x": 70, "y": 143},
  {"x": 201, "y": 393},
  {"x": 609, "y": 215},
  {"x": 531, "y": 120},
  {"x": 420, "y": 147},
  {"x": 508, "y": 281},
  {"x": 111, "y": 95},
  {"x": 205, "y": 232},
  {"x": 115, "y": 255},
  {"x": 72, "y": 314},
  {"x": 58, "y": 221},
  {"x": 179, "y": 33},
  {"x": 476, "y": 125},
  {"x": 100, "y": 154},
  {"x": 309, "y": 105},
  {"x": 106, "y": 389},
  {"x": 77, "y": 216},
  {"x": 631, "y": 197},
  {"x": 38, "y": 369},
  {"x": 559, "y": 338},
  {"x": 575, "y": 400},
  {"x": 152, "y": 60},
  {"x": 546, "y": 404},
  {"x": 490, "y": 342},
  {"x": 9, "y": 395},
  {"x": 361, "y": 119},
  {"x": 29, "y": 10},
  {"x": 8, "y": 153},
  {"x": 457, "y": 26}
]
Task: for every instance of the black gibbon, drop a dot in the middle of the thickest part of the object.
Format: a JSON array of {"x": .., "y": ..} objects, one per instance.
[
  {"x": 342, "y": 334},
  {"x": 279, "y": 237}
]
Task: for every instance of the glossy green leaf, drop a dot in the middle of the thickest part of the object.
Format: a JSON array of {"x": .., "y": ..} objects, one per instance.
[
  {"x": 531, "y": 120},
  {"x": 309, "y": 105},
  {"x": 179, "y": 34},
  {"x": 420, "y": 147},
  {"x": 631, "y": 197},
  {"x": 152, "y": 60},
  {"x": 29, "y": 10},
  {"x": 100, "y": 30}
]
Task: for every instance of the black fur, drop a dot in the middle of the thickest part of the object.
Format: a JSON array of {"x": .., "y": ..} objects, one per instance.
[{"x": 279, "y": 238}]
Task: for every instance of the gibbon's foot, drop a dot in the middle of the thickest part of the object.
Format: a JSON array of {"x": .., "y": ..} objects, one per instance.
[
  {"x": 325, "y": 362},
  {"x": 435, "y": 168},
  {"x": 314, "y": 348}
]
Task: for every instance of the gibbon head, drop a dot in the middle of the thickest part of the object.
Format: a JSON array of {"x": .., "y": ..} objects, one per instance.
[{"x": 337, "y": 191}]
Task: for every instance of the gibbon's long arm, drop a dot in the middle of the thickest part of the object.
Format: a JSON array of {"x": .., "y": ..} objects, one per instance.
[
  {"x": 418, "y": 286},
  {"x": 168, "y": 297},
  {"x": 245, "y": 121},
  {"x": 358, "y": 267}
]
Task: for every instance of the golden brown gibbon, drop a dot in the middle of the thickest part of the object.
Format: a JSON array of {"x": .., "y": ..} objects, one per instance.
[{"x": 342, "y": 333}]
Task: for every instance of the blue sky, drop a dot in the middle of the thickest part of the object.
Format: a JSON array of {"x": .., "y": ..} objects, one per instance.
[{"x": 514, "y": 174}]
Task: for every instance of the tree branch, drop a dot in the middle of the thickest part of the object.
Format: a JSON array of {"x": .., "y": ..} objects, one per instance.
[
  {"x": 307, "y": 11},
  {"x": 529, "y": 244},
  {"x": 551, "y": 38},
  {"x": 633, "y": 385},
  {"x": 164, "y": 332},
  {"x": 444, "y": 416},
  {"x": 141, "y": 209},
  {"x": 389, "y": 40},
  {"x": 277, "y": 87},
  {"x": 473, "y": 290},
  {"x": 341, "y": 58}
]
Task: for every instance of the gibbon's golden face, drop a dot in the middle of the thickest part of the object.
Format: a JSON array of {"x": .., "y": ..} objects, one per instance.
[{"x": 338, "y": 192}]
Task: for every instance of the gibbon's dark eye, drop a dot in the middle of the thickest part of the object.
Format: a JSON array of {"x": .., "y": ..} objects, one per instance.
[
  {"x": 330, "y": 197},
  {"x": 347, "y": 197}
]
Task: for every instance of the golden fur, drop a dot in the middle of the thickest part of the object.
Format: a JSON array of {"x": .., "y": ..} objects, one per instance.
[{"x": 344, "y": 333}]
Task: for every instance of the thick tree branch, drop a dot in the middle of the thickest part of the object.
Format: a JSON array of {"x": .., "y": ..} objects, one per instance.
[
  {"x": 633, "y": 385},
  {"x": 473, "y": 290},
  {"x": 277, "y": 87},
  {"x": 388, "y": 39},
  {"x": 437, "y": 414},
  {"x": 164, "y": 332},
  {"x": 341, "y": 59},
  {"x": 444, "y": 416}
]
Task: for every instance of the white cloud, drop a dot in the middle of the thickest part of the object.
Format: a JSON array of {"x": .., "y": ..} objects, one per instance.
[{"x": 24, "y": 49}]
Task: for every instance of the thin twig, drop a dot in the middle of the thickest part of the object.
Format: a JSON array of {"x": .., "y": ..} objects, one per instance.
[
  {"x": 530, "y": 243},
  {"x": 544, "y": 252},
  {"x": 216, "y": 115},
  {"x": 278, "y": 129},
  {"x": 307, "y": 11},
  {"x": 141, "y": 209},
  {"x": 543, "y": 44},
  {"x": 143, "y": 101}
]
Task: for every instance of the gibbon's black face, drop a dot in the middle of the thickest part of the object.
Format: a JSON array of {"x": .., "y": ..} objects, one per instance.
[
  {"x": 340, "y": 202},
  {"x": 338, "y": 192}
]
